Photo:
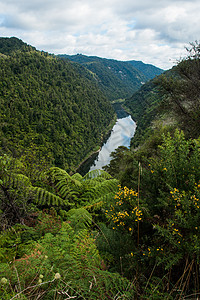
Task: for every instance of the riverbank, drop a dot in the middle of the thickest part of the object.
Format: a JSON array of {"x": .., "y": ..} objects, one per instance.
[
  {"x": 121, "y": 134},
  {"x": 91, "y": 155}
]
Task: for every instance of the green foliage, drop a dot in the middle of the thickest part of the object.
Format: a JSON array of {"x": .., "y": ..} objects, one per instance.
[
  {"x": 117, "y": 79},
  {"x": 144, "y": 106},
  {"x": 81, "y": 191},
  {"x": 181, "y": 92},
  {"x": 53, "y": 188},
  {"x": 148, "y": 70},
  {"x": 49, "y": 105},
  {"x": 166, "y": 242},
  {"x": 174, "y": 167},
  {"x": 15, "y": 192},
  {"x": 172, "y": 97},
  {"x": 79, "y": 218},
  {"x": 67, "y": 264},
  {"x": 65, "y": 236}
]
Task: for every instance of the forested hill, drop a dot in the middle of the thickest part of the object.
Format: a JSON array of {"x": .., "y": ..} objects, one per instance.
[
  {"x": 148, "y": 70},
  {"x": 171, "y": 99},
  {"x": 117, "y": 79},
  {"x": 130, "y": 232},
  {"x": 49, "y": 105}
]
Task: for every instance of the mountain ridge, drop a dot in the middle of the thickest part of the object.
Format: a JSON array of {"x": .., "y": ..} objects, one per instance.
[{"x": 117, "y": 79}]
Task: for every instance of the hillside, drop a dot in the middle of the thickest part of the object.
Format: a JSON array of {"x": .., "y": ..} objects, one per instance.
[
  {"x": 131, "y": 232},
  {"x": 170, "y": 99},
  {"x": 162, "y": 105},
  {"x": 148, "y": 70},
  {"x": 117, "y": 79},
  {"x": 48, "y": 104}
]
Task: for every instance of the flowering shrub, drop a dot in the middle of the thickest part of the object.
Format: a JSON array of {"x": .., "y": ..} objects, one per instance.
[
  {"x": 125, "y": 212},
  {"x": 163, "y": 225}
]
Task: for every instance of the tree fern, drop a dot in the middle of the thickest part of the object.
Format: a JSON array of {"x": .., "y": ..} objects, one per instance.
[
  {"x": 77, "y": 176},
  {"x": 101, "y": 189},
  {"x": 16, "y": 180},
  {"x": 97, "y": 173},
  {"x": 59, "y": 175},
  {"x": 101, "y": 202},
  {"x": 43, "y": 197},
  {"x": 79, "y": 218},
  {"x": 56, "y": 187}
]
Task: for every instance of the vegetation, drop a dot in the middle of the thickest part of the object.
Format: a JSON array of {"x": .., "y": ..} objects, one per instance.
[
  {"x": 129, "y": 232},
  {"x": 148, "y": 70},
  {"x": 48, "y": 105},
  {"x": 117, "y": 79}
]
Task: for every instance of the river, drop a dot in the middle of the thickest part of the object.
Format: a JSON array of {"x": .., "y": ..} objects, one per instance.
[{"x": 121, "y": 135}]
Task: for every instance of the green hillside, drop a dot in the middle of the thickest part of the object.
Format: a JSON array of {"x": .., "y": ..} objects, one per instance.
[
  {"x": 148, "y": 70},
  {"x": 128, "y": 232},
  {"x": 170, "y": 99},
  {"x": 117, "y": 79},
  {"x": 49, "y": 104}
]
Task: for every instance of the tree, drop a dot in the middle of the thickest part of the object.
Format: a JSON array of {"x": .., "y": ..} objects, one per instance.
[{"x": 181, "y": 91}]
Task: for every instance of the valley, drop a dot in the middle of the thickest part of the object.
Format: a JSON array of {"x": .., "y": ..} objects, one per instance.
[{"x": 127, "y": 228}]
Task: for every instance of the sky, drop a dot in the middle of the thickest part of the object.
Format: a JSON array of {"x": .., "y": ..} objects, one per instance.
[{"x": 155, "y": 32}]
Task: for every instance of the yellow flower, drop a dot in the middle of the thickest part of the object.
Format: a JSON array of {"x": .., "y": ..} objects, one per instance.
[
  {"x": 57, "y": 276},
  {"x": 4, "y": 280},
  {"x": 131, "y": 253}
]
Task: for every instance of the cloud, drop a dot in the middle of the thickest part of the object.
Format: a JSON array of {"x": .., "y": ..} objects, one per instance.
[{"x": 152, "y": 31}]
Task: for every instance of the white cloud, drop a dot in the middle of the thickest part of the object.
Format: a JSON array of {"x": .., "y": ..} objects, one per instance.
[{"x": 152, "y": 31}]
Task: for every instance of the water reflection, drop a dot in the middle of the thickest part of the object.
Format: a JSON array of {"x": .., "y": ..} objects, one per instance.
[{"x": 121, "y": 135}]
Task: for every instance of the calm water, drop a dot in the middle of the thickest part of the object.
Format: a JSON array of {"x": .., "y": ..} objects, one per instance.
[{"x": 121, "y": 135}]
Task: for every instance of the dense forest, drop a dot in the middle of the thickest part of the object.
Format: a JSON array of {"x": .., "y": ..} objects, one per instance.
[
  {"x": 49, "y": 105},
  {"x": 130, "y": 231},
  {"x": 117, "y": 79}
]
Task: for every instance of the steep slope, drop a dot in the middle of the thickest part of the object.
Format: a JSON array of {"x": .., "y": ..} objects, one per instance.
[
  {"x": 48, "y": 104},
  {"x": 171, "y": 98},
  {"x": 148, "y": 70},
  {"x": 117, "y": 79},
  {"x": 143, "y": 106}
]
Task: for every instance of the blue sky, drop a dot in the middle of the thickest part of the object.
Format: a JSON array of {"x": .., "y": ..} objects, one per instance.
[{"x": 154, "y": 32}]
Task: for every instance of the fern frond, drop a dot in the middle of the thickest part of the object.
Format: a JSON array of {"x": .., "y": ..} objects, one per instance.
[
  {"x": 58, "y": 174},
  {"x": 79, "y": 218},
  {"x": 95, "y": 206},
  {"x": 16, "y": 180},
  {"x": 97, "y": 173},
  {"x": 100, "y": 202},
  {"x": 103, "y": 188},
  {"x": 43, "y": 197},
  {"x": 77, "y": 176}
]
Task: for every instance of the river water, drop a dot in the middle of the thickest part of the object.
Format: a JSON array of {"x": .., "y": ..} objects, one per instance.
[{"x": 121, "y": 135}]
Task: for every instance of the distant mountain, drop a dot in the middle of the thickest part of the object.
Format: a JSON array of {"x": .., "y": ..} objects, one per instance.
[
  {"x": 117, "y": 79},
  {"x": 148, "y": 70},
  {"x": 49, "y": 105}
]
